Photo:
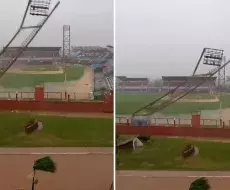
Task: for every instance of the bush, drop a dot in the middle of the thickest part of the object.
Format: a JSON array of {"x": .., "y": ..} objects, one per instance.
[{"x": 200, "y": 184}]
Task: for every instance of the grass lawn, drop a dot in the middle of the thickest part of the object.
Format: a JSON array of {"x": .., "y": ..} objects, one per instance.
[
  {"x": 57, "y": 132},
  {"x": 10, "y": 80},
  {"x": 127, "y": 104},
  {"x": 41, "y": 68},
  {"x": 164, "y": 154}
]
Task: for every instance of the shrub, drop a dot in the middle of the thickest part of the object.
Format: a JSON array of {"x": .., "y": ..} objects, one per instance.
[{"x": 200, "y": 184}]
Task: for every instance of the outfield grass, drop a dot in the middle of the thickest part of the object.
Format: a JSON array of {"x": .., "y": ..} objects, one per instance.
[
  {"x": 57, "y": 132},
  {"x": 127, "y": 104},
  {"x": 164, "y": 154},
  {"x": 41, "y": 68},
  {"x": 10, "y": 80}
]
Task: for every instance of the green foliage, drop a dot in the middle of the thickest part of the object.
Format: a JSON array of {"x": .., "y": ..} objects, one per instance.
[
  {"x": 200, "y": 184},
  {"x": 45, "y": 164}
]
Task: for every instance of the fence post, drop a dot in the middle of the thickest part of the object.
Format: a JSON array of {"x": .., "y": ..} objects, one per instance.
[
  {"x": 174, "y": 122},
  {"x": 68, "y": 98},
  {"x": 127, "y": 121},
  {"x": 16, "y": 96},
  {"x": 65, "y": 95}
]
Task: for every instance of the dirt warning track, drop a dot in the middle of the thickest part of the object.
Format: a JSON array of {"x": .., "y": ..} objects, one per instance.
[
  {"x": 166, "y": 180},
  {"x": 77, "y": 168}
]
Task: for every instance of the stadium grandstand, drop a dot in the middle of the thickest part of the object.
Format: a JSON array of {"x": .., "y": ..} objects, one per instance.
[
  {"x": 34, "y": 52},
  {"x": 170, "y": 82},
  {"x": 102, "y": 66},
  {"x": 93, "y": 53},
  {"x": 144, "y": 85},
  {"x": 127, "y": 84},
  {"x": 32, "y": 55}
]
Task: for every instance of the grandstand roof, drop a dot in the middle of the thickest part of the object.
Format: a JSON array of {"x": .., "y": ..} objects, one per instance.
[
  {"x": 185, "y": 78},
  {"x": 36, "y": 48},
  {"x": 137, "y": 79},
  {"x": 122, "y": 78}
]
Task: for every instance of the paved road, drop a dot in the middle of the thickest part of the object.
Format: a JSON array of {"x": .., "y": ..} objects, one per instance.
[
  {"x": 83, "y": 171},
  {"x": 165, "y": 180}
]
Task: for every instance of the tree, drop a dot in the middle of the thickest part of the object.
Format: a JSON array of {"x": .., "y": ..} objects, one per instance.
[
  {"x": 200, "y": 184},
  {"x": 45, "y": 164}
]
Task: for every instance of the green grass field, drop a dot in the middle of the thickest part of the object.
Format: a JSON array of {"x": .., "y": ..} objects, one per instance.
[
  {"x": 41, "y": 68},
  {"x": 57, "y": 132},
  {"x": 164, "y": 154},
  {"x": 127, "y": 104},
  {"x": 10, "y": 80}
]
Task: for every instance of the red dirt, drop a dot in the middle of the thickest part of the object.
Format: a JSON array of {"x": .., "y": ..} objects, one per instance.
[
  {"x": 85, "y": 172},
  {"x": 168, "y": 180},
  {"x": 83, "y": 115}
]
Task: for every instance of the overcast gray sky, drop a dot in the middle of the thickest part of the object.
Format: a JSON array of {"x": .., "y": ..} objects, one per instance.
[
  {"x": 91, "y": 22},
  {"x": 166, "y": 37}
]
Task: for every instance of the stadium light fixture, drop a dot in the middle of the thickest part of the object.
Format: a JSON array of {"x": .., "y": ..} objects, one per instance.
[
  {"x": 213, "y": 57},
  {"x": 40, "y": 7}
]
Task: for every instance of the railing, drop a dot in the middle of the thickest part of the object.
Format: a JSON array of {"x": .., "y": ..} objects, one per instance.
[
  {"x": 171, "y": 121},
  {"x": 62, "y": 96}
]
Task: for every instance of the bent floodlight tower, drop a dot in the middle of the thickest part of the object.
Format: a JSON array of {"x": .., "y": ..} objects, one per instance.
[
  {"x": 39, "y": 8},
  {"x": 213, "y": 57}
]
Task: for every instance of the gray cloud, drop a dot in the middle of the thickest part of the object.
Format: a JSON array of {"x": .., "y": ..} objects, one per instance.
[
  {"x": 155, "y": 38},
  {"x": 91, "y": 22}
]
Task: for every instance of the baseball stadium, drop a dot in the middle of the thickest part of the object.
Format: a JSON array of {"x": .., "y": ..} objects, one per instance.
[
  {"x": 56, "y": 109},
  {"x": 174, "y": 130}
]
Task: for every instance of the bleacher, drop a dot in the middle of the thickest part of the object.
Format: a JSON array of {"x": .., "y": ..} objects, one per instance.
[{"x": 34, "y": 52}]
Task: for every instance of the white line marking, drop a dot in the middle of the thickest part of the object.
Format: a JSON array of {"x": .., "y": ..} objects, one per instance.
[
  {"x": 56, "y": 153},
  {"x": 148, "y": 176}
]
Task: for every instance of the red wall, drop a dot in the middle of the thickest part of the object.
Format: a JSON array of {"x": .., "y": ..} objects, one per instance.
[
  {"x": 174, "y": 131},
  {"x": 52, "y": 106}
]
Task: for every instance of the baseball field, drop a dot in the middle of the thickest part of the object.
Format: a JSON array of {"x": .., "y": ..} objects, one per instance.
[
  {"x": 126, "y": 104},
  {"x": 32, "y": 75}
]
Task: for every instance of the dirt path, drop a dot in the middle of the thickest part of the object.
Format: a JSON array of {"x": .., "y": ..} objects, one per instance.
[
  {"x": 82, "y": 115},
  {"x": 85, "y": 172},
  {"x": 166, "y": 180},
  {"x": 83, "y": 86},
  {"x": 83, "y": 150}
]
